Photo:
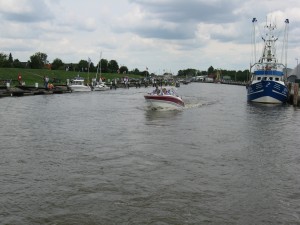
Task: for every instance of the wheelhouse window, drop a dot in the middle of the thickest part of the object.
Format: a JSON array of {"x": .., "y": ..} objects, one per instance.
[{"x": 258, "y": 78}]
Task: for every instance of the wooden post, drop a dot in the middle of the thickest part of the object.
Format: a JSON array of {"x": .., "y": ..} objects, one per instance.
[{"x": 296, "y": 90}]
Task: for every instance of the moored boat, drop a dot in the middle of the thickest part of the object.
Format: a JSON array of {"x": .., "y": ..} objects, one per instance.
[
  {"x": 164, "y": 99},
  {"x": 78, "y": 85},
  {"x": 99, "y": 85},
  {"x": 267, "y": 84}
]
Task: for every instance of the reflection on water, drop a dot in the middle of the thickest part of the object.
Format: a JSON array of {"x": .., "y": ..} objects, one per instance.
[
  {"x": 103, "y": 158},
  {"x": 151, "y": 115}
]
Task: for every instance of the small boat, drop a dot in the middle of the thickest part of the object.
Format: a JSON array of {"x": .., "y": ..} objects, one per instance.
[
  {"x": 78, "y": 85},
  {"x": 186, "y": 82},
  {"x": 99, "y": 86},
  {"x": 267, "y": 84},
  {"x": 164, "y": 99}
]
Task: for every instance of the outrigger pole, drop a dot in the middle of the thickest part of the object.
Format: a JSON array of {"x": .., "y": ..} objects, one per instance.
[
  {"x": 285, "y": 44},
  {"x": 254, "y": 20}
]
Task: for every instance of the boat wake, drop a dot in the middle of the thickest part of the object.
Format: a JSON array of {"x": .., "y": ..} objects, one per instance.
[
  {"x": 151, "y": 108},
  {"x": 194, "y": 102}
]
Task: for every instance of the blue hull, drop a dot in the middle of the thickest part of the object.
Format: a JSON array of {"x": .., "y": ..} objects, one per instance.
[{"x": 267, "y": 92}]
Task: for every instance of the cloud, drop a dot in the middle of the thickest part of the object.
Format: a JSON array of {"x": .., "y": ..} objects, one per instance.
[
  {"x": 173, "y": 34},
  {"x": 25, "y": 11},
  {"x": 173, "y": 19}
]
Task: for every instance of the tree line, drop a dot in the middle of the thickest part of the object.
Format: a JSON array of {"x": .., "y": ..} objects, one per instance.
[
  {"x": 212, "y": 72},
  {"x": 39, "y": 61}
]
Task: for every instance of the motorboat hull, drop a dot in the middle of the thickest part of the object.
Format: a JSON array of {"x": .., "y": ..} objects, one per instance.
[
  {"x": 267, "y": 92},
  {"x": 101, "y": 87},
  {"x": 80, "y": 88},
  {"x": 78, "y": 85},
  {"x": 164, "y": 101}
]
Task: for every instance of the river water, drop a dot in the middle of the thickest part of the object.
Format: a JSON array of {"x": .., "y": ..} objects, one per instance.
[{"x": 104, "y": 158}]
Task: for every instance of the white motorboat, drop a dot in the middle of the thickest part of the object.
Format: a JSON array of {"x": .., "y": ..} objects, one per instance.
[
  {"x": 78, "y": 85},
  {"x": 101, "y": 87},
  {"x": 164, "y": 99}
]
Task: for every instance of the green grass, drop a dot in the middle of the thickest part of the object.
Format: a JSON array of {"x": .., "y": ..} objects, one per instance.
[{"x": 32, "y": 76}]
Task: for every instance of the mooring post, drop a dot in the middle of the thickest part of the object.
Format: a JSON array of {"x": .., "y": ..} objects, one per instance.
[{"x": 296, "y": 90}]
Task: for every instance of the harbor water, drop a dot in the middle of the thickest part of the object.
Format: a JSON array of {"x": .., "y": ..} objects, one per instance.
[{"x": 105, "y": 158}]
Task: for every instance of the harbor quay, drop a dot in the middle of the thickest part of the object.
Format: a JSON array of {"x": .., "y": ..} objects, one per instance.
[{"x": 23, "y": 90}]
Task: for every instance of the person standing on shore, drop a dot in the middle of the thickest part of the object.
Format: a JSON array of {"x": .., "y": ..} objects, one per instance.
[
  {"x": 46, "y": 81},
  {"x": 20, "y": 78}
]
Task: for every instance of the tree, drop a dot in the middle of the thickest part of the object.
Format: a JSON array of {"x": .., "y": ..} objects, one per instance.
[
  {"x": 242, "y": 75},
  {"x": 188, "y": 72},
  {"x": 10, "y": 60},
  {"x": 38, "y": 60},
  {"x": 92, "y": 67},
  {"x": 135, "y": 71},
  {"x": 146, "y": 73},
  {"x": 3, "y": 60},
  {"x": 17, "y": 64},
  {"x": 123, "y": 69},
  {"x": 180, "y": 73},
  {"x": 83, "y": 65},
  {"x": 104, "y": 65},
  {"x": 211, "y": 70},
  {"x": 113, "y": 66},
  {"x": 57, "y": 64}
]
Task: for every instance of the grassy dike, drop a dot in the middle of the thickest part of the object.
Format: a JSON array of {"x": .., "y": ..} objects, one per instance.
[{"x": 32, "y": 76}]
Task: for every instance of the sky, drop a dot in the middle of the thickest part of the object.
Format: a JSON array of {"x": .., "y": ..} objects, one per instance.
[{"x": 161, "y": 35}]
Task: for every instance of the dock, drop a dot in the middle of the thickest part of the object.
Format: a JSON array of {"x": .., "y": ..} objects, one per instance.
[
  {"x": 32, "y": 90},
  {"x": 294, "y": 98}
]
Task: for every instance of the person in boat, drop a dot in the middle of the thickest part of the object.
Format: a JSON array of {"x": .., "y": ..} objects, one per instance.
[{"x": 156, "y": 91}]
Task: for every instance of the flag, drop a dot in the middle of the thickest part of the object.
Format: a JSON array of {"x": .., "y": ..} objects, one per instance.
[{"x": 89, "y": 61}]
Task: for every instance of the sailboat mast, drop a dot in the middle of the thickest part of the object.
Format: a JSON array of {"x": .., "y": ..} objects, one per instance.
[{"x": 100, "y": 63}]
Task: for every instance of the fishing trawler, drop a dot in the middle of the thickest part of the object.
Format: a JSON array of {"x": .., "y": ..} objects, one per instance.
[{"x": 267, "y": 84}]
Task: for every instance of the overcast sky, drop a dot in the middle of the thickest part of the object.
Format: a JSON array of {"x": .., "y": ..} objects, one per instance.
[{"x": 163, "y": 35}]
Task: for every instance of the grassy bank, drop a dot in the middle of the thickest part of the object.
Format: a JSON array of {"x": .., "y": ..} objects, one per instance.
[{"x": 32, "y": 76}]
